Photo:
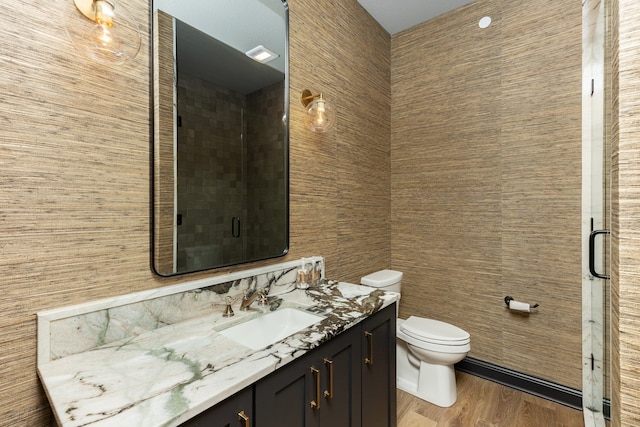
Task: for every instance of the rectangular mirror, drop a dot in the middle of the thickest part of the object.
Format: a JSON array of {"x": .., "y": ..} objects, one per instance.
[{"x": 221, "y": 140}]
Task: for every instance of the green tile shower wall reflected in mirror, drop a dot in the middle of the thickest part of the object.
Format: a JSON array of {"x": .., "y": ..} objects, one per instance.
[{"x": 221, "y": 140}]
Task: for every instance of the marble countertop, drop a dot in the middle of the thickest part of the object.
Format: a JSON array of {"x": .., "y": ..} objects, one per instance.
[{"x": 168, "y": 375}]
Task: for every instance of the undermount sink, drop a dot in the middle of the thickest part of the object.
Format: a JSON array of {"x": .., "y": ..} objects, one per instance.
[{"x": 272, "y": 327}]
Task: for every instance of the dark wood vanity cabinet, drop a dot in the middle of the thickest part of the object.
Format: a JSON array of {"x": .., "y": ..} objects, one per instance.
[
  {"x": 236, "y": 411},
  {"x": 379, "y": 369},
  {"x": 348, "y": 381},
  {"x": 320, "y": 389}
]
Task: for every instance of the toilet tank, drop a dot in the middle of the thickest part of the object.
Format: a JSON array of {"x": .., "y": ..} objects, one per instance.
[{"x": 386, "y": 280}]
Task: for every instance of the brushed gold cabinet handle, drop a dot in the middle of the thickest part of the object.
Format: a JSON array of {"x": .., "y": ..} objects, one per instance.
[
  {"x": 329, "y": 393},
  {"x": 243, "y": 417},
  {"x": 316, "y": 403},
  {"x": 369, "y": 360}
]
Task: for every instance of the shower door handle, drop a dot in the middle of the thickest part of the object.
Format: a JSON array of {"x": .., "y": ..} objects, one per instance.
[
  {"x": 592, "y": 256},
  {"x": 235, "y": 226}
]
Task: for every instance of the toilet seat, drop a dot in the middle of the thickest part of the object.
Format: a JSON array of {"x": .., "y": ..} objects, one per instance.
[
  {"x": 436, "y": 348},
  {"x": 434, "y": 332}
]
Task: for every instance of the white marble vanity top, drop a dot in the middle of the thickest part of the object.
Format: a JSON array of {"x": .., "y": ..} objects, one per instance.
[{"x": 166, "y": 375}]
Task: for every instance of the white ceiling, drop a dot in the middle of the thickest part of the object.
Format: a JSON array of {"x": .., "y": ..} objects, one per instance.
[{"x": 398, "y": 15}]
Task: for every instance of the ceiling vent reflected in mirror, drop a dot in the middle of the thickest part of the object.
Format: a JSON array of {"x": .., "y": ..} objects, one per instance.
[{"x": 262, "y": 54}]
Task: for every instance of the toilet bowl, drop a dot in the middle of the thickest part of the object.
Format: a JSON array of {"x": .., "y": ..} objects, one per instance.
[
  {"x": 427, "y": 349},
  {"x": 426, "y": 352}
]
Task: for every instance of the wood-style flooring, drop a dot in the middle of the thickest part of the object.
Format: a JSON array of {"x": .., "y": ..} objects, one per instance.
[{"x": 482, "y": 403}]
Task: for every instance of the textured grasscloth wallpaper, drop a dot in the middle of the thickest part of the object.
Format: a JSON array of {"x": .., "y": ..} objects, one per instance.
[{"x": 625, "y": 239}]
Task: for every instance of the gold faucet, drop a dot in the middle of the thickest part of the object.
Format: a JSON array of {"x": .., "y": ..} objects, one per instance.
[{"x": 248, "y": 300}]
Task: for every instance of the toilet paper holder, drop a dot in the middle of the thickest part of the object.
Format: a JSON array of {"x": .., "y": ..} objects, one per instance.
[{"x": 512, "y": 304}]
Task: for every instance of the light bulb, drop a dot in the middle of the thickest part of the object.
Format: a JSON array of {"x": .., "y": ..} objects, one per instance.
[
  {"x": 108, "y": 35},
  {"x": 320, "y": 116},
  {"x": 104, "y": 13},
  {"x": 105, "y": 44}
]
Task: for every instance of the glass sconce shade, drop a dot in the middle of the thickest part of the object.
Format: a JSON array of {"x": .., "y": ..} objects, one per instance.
[
  {"x": 320, "y": 116},
  {"x": 102, "y": 31}
]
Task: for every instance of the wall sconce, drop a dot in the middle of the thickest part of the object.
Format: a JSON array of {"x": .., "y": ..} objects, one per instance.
[
  {"x": 103, "y": 34},
  {"x": 320, "y": 115}
]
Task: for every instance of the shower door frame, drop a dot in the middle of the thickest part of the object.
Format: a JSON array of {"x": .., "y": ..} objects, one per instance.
[{"x": 594, "y": 213}]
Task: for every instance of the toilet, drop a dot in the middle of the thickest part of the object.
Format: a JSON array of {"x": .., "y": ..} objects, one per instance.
[{"x": 426, "y": 349}]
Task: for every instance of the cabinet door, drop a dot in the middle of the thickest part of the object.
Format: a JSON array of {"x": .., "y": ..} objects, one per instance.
[
  {"x": 321, "y": 389},
  {"x": 341, "y": 380},
  {"x": 379, "y": 369},
  {"x": 284, "y": 397},
  {"x": 228, "y": 413}
]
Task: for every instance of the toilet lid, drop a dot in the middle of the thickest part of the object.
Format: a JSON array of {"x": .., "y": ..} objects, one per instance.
[{"x": 434, "y": 331}]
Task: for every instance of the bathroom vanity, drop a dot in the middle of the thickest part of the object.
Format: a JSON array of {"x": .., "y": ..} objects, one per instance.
[
  {"x": 347, "y": 380},
  {"x": 169, "y": 357}
]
